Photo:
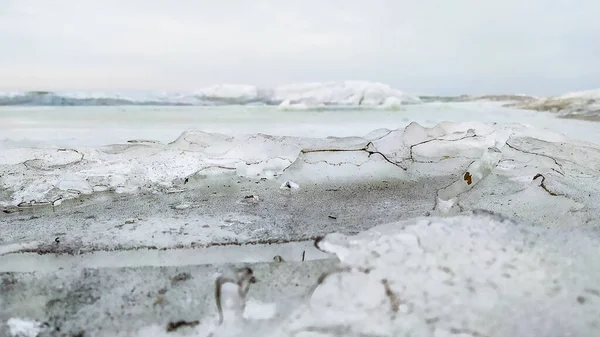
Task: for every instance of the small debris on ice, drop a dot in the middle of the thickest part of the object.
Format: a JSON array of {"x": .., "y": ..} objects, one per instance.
[
  {"x": 278, "y": 258},
  {"x": 251, "y": 198},
  {"x": 173, "y": 326},
  {"x": 181, "y": 277},
  {"x": 130, "y": 221},
  {"x": 290, "y": 184}
]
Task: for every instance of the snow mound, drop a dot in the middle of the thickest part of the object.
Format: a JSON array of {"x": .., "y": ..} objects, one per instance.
[
  {"x": 581, "y": 104},
  {"x": 472, "y": 275},
  {"x": 349, "y": 93}
]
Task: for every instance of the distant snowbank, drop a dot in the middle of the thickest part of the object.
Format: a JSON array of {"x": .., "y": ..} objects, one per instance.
[
  {"x": 348, "y": 93},
  {"x": 580, "y": 105}
]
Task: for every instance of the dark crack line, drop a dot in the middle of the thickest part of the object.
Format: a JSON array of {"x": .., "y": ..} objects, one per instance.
[
  {"x": 537, "y": 154},
  {"x": 433, "y": 139},
  {"x": 543, "y": 185},
  {"x": 52, "y": 248},
  {"x": 364, "y": 149}
]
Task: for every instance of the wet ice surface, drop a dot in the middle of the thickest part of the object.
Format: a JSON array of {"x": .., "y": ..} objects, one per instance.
[{"x": 113, "y": 226}]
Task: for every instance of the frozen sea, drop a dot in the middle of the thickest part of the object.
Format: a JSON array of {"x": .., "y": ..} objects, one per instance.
[
  {"x": 97, "y": 126},
  {"x": 433, "y": 219}
]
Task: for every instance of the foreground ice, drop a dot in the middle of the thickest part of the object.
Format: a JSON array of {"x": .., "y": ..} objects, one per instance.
[
  {"x": 477, "y": 275},
  {"x": 581, "y": 104},
  {"x": 347, "y": 93}
]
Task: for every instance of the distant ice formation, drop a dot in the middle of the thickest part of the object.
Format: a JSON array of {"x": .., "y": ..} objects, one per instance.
[
  {"x": 348, "y": 93},
  {"x": 581, "y": 104}
]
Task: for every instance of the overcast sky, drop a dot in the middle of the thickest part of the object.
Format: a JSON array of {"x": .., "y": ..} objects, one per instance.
[{"x": 420, "y": 46}]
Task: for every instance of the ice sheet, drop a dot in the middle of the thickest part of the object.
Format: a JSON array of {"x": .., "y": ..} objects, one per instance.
[
  {"x": 493, "y": 162},
  {"x": 98, "y": 126}
]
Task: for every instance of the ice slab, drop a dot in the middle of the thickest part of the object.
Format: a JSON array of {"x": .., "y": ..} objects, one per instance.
[
  {"x": 471, "y": 275},
  {"x": 482, "y": 165}
]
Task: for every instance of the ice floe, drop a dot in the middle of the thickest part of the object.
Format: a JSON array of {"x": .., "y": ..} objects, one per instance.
[{"x": 491, "y": 164}]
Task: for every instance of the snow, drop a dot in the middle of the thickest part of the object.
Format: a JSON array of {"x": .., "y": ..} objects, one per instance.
[{"x": 349, "y": 93}]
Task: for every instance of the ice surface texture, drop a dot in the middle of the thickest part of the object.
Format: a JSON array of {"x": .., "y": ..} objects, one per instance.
[
  {"x": 348, "y": 93},
  {"x": 501, "y": 168}
]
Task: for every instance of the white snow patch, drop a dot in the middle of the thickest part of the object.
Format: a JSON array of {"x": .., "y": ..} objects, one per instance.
[{"x": 23, "y": 328}]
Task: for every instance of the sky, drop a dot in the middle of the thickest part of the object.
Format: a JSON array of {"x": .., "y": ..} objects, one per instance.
[{"x": 443, "y": 47}]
